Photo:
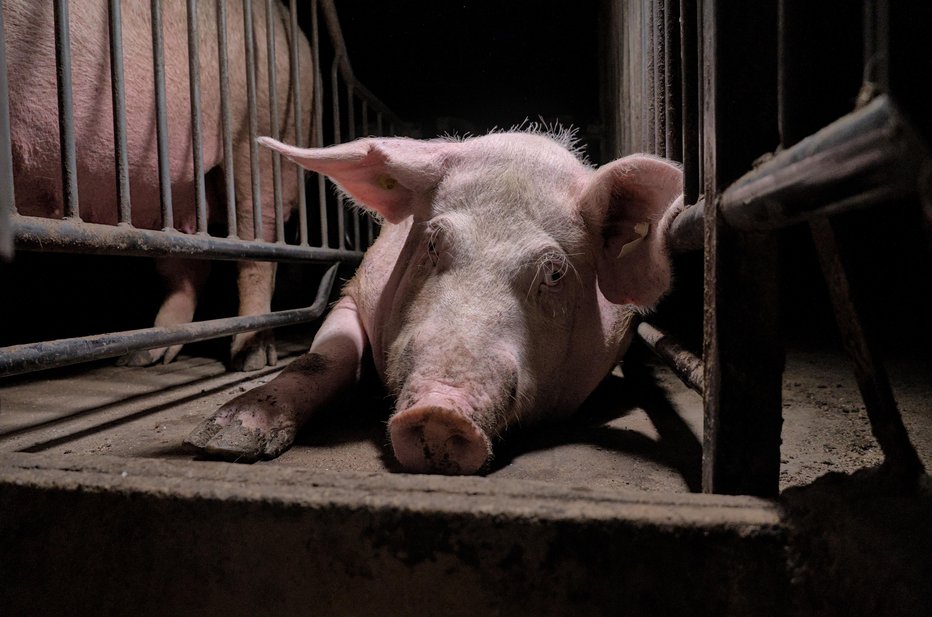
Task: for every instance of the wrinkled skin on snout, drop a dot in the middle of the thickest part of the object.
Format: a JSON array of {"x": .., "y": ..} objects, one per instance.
[{"x": 499, "y": 292}]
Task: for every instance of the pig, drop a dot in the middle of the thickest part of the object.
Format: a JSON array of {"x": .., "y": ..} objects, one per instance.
[
  {"x": 500, "y": 292},
  {"x": 34, "y": 129}
]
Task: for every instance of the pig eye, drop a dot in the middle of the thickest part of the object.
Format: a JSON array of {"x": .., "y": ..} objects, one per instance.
[
  {"x": 432, "y": 252},
  {"x": 554, "y": 269}
]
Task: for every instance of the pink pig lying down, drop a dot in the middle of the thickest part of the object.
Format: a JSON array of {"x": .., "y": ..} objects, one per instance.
[{"x": 500, "y": 291}]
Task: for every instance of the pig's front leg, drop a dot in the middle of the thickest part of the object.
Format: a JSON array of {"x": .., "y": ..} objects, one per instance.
[
  {"x": 183, "y": 280},
  {"x": 251, "y": 351},
  {"x": 263, "y": 422}
]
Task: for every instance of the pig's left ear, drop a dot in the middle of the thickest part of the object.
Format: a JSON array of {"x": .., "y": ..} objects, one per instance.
[
  {"x": 627, "y": 207},
  {"x": 386, "y": 175}
]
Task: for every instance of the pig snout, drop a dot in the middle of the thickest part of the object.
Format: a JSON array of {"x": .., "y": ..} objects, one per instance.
[
  {"x": 430, "y": 438},
  {"x": 449, "y": 429}
]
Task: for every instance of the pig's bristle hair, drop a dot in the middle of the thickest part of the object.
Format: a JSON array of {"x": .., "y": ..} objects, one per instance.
[{"x": 568, "y": 137}]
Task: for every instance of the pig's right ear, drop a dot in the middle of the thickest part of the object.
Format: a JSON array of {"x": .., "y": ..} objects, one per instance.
[{"x": 385, "y": 175}]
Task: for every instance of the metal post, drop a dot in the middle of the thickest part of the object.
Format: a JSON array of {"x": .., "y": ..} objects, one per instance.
[
  {"x": 298, "y": 119},
  {"x": 194, "y": 82},
  {"x": 161, "y": 116},
  {"x": 226, "y": 118},
  {"x": 689, "y": 45},
  {"x": 742, "y": 353},
  {"x": 248, "y": 42},
  {"x": 118, "y": 91},
  {"x": 69, "y": 161},
  {"x": 7, "y": 197},
  {"x": 319, "y": 124},
  {"x": 273, "y": 123},
  {"x": 335, "y": 94}
]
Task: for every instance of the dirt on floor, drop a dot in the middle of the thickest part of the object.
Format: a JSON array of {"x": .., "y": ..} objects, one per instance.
[{"x": 641, "y": 430}]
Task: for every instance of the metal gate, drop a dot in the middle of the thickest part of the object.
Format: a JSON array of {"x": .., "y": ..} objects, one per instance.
[
  {"x": 724, "y": 87},
  {"x": 350, "y": 109}
]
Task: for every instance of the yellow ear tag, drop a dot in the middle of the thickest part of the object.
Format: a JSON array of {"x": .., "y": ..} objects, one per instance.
[
  {"x": 387, "y": 182},
  {"x": 641, "y": 229}
]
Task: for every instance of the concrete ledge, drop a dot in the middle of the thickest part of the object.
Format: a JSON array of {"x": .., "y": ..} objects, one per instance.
[{"x": 107, "y": 535}]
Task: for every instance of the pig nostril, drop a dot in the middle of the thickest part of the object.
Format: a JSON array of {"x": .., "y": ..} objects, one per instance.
[{"x": 438, "y": 440}]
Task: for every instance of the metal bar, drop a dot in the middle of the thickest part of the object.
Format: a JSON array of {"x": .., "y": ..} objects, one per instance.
[
  {"x": 248, "y": 43},
  {"x": 742, "y": 354},
  {"x": 335, "y": 97},
  {"x": 319, "y": 125},
  {"x": 194, "y": 82},
  {"x": 161, "y": 122},
  {"x": 658, "y": 21},
  {"x": 684, "y": 363},
  {"x": 689, "y": 45},
  {"x": 298, "y": 120},
  {"x": 647, "y": 79},
  {"x": 118, "y": 92},
  {"x": 20, "y": 359},
  {"x": 868, "y": 156},
  {"x": 686, "y": 231},
  {"x": 673, "y": 70},
  {"x": 226, "y": 118},
  {"x": 40, "y": 234},
  {"x": 886, "y": 422},
  {"x": 273, "y": 123},
  {"x": 7, "y": 196},
  {"x": 351, "y": 103},
  {"x": 69, "y": 161}
]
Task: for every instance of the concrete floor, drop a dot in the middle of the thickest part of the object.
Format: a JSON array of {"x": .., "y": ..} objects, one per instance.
[{"x": 640, "y": 432}]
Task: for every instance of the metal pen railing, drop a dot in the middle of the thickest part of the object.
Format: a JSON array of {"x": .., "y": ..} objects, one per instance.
[{"x": 72, "y": 234}]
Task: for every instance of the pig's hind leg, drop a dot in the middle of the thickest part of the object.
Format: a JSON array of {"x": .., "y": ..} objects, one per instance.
[{"x": 263, "y": 422}]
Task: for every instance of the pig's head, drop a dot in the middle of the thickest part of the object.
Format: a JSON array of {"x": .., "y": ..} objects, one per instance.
[{"x": 503, "y": 301}]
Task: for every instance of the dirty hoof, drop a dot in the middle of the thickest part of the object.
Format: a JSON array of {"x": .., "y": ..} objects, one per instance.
[
  {"x": 225, "y": 436},
  {"x": 253, "y": 351},
  {"x": 438, "y": 440},
  {"x": 148, "y": 357}
]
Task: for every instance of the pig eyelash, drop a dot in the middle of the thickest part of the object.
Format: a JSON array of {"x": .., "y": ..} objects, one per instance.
[{"x": 432, "y": 251}]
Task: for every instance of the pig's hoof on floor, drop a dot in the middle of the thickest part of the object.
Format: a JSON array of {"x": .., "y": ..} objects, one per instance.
[
  {"x": 438, "y": 440},
  {"x": 239, "y": 443},
  {"x": 253, "y": 353},
  {"x": 143, "y": 357}
]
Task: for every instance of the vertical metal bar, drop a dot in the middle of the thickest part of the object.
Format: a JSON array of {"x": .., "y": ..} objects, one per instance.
[
  {"x": 194, "y": 82},
  {"x": 7, "y": 197},
  {"x": 161, "y": 116},
  {"x": 882, "y": 411},
  {"x": 365, "y": 117},
  {"x": 273, "y": 122},
  {"x": 248, "y": 42},
  {"x": 673, "y": 69},
  {"x": 351, "y": 103},
  {"x": 370, "y": 231},
  {"x": 319, "y": 125},
  {"x": 689, "y": 45},
  {"x": 743, "y": 357},
  {"x": 378, "y": 124},
  {"x": 658, "y": 46},
  {"x": 226, "y": 118},
  {"x": 69, "y": 161},
  {"x": 647, "y": 80},
  {"x": 298, "y": 120},
  {"x": 335, "y": 94},
  {"x": 118, "y": 92}
]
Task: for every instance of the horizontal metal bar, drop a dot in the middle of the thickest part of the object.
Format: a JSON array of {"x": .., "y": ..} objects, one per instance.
[
  {"x": 685, "y": 232},
  {"x": 684, "y": 363},
  {"x": 868, "y": 156},
  {"x": 20, "y": 359},
  {"x": 65, "y": 236}
]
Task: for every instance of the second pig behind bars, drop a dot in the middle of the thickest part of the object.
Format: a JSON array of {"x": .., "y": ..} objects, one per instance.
[{"x": 30, "y": 56}]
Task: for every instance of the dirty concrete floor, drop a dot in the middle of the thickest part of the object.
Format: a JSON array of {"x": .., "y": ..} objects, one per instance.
[{"x": 639, "y": 431}]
